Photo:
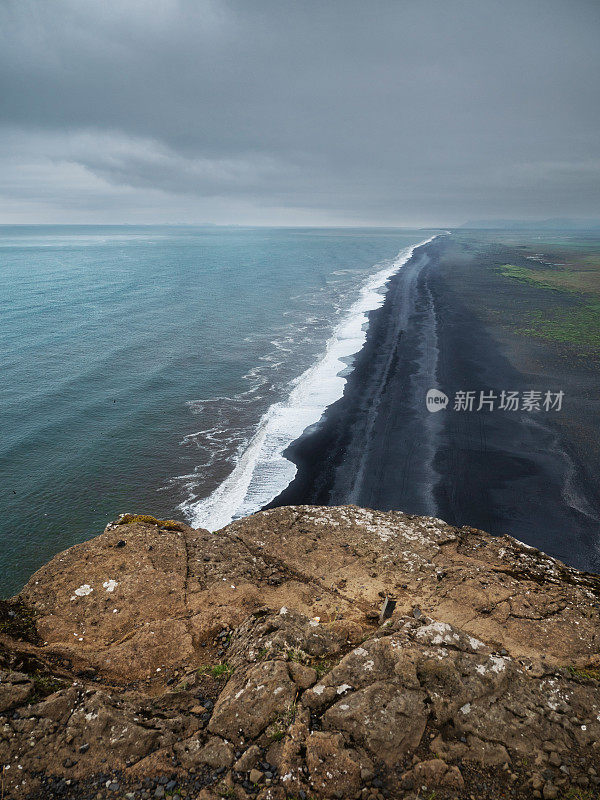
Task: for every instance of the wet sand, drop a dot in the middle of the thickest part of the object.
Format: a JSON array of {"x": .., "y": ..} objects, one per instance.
[{"x": 522, "y": 473}]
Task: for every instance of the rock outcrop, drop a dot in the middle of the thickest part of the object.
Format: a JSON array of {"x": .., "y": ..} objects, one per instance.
[{"x": 301, "y": 653}]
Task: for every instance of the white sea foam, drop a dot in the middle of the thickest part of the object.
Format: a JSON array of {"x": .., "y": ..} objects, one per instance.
[{"x": 262, "y": 472}]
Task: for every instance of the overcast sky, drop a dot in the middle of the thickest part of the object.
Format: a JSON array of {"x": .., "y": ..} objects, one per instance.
[{"x": 399, "y": 112}]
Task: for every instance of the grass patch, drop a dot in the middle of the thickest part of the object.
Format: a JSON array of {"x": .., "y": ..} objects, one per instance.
[
  {"x": 276, "y": 730},
  {"x": 322, "y": 667},
  {"x": 296, "y": 655},
  {"x": 576, "y": 323},
  {"x": 579, "y": 327},
  {"x": 575, "y": 793},
  {"x": 17, "y": 620},
  {"x": 542, "y": 279},
  {"x": 168, "y": 524},
  {"x": 217, "y": 671},
  {"x": 584, "y": 674},
  {"x": 575, "y": 279},
  {"x": 43, "y": 685}
]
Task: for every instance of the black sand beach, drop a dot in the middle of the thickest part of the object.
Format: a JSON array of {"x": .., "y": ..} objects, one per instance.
[{"x": 447, "y": 323}]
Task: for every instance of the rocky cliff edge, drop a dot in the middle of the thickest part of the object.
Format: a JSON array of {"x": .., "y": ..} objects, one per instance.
[{"x": 302, "y": 652}]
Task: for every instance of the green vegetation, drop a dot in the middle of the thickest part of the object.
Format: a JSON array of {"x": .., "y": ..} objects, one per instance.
[
  {"x": 586, "y": 674},
  {"x": 532, "y": 277},
  {"x": 43, "y": 685},
  {"x": 579, "y": 326},
  {"x": 575, "y": 793},
  {"x": 322, "y": 667},
  {"x": 276, "y": 734},
  {"x": 218, "y": 671},
  {"x": 18, "y": 621},
  {"x": 276, "y": 731},
  {"x": 575, "y": 322},
  {"x": 167, "y": 524},
  {"x": 296, "y": 655},
  {"x": 562, "y": 279}
]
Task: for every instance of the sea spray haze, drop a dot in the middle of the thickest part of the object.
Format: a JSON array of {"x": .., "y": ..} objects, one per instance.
[{"x": 138, "y": 363}]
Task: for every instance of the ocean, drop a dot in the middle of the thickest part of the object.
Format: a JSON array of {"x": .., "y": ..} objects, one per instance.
[{"x": 165, "y": 370}]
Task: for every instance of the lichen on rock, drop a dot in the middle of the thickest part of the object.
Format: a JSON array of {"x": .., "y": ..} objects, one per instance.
[{"x": 131, "y": 661}]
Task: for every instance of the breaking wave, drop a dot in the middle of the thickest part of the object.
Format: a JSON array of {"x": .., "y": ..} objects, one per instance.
[{"x": 261, "y": 471}]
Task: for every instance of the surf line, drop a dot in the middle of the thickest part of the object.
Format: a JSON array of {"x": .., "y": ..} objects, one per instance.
[{"x": 262, "y": 472}]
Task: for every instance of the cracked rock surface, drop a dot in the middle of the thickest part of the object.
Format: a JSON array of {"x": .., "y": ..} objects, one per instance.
[{"x": 160, "y": 661}]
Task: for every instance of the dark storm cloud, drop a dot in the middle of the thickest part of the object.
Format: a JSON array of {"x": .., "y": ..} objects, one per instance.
[{"x": 430, "y": 111}]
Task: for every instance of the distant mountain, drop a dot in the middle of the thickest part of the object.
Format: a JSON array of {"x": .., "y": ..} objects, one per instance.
[{"x": 553, "y": 224}]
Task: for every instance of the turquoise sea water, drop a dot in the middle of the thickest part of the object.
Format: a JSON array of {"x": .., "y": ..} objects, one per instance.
[{"x": 138, "y": 363}]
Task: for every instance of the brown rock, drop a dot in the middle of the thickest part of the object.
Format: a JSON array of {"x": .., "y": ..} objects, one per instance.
[
  {"x": 272, "y": 793},
  {"x": 216, "y": 753},
  {"x": 303, "y": 677},
  {"x": 537, "y": 781},
  {"x": 494, "y": 685},
  {"x": 255, "y": 776},
  {"x": 387, "y": 720},
  {"x": 14, "y": 690},
  {"x": 248, "y": 760},
  {"x": 332, "y": 772},
  {"x": 433, "y": 773},
  {"x": 453, "y": 778},
  {"x": 289, "y": 758},
  {"x": 167, "y": 596},
  {"x": 252, "y": 700},
  {"x": 276, "y": 635},
  {"x": 550, "y": 792}
]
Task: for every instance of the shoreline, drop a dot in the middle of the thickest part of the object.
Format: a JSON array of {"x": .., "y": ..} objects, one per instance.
[
  {"x": 330, "y": 457},
  {"x": 262, "y": 471},
  {"x": 379, "y": 447}
]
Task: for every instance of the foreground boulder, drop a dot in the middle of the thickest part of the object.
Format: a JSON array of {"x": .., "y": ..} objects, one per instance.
[{"x": 301, "y": 652}]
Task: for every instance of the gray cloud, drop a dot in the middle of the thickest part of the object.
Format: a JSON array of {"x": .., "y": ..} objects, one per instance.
[{"x": 389, "y": 112}]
